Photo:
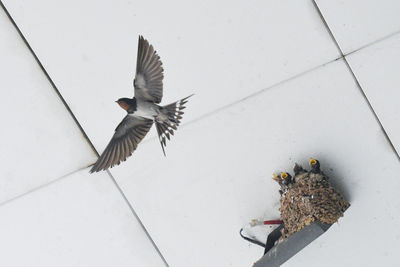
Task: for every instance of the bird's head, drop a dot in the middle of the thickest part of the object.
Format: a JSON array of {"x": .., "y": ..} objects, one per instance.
[
  {"x": 127, "y": 104},
  {"x": 123, "y": 103}
]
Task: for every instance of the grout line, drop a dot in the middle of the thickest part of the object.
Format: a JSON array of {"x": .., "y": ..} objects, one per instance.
[
  {"x": 137, "y": 217},
  {"x": 371, "y": 108},
  {"x": 258, "y": 92},
  {"x": 355, "y": 78},
  {"x": 41, "y": 186},
  {"x": 327, "y": 28},
  {"x": 82, "y": 131},
  {"x": 374, "y": 42},
  {"x": 47, "y": 76}
]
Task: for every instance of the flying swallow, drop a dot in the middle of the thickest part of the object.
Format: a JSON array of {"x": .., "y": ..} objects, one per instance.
[{"x": 143, "y": 110}]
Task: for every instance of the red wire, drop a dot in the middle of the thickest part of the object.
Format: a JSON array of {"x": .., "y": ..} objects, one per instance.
[{"x": 273, "y": 222}]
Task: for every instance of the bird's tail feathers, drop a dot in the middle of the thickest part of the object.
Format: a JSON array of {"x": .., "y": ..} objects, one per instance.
[{"x": 174, "y": 114}]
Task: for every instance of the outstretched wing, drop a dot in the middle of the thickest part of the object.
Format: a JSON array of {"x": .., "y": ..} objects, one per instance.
[
  {"x": 148, "y": 81},
  {"x": 126, "y": 138}
]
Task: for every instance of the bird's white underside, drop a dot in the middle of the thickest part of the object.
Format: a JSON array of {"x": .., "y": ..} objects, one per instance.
[{"x": 146, "y": 110}]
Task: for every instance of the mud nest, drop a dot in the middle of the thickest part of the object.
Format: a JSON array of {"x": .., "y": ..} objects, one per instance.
[{"x": 308, "y": 197}]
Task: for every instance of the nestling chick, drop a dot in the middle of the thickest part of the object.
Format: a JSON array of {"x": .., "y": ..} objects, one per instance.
[
  {"x": 314, "y": 164},
  {"x": 298, "y": 169},
  {"x": 286, "y": 178}
]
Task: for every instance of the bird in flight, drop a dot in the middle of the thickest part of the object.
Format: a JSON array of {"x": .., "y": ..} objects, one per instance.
[{"x": 143, "y": 110}]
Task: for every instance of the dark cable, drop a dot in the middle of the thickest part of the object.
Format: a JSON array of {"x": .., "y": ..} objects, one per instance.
[
  {"x": 272, "y": 238},
  {"x": 251, "y": 240}
]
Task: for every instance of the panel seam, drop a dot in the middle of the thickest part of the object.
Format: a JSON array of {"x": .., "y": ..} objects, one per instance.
[{"x": 355, "y": 78}]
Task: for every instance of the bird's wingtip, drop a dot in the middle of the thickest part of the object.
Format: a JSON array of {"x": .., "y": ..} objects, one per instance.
[{"x": 94, "y": 169}]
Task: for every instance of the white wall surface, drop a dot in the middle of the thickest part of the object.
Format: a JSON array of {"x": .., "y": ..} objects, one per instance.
[{"x": 271, "y": 89}]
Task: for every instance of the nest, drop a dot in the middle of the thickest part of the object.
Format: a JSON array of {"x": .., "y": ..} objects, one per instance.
[{"x": 308, "y": 197}]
